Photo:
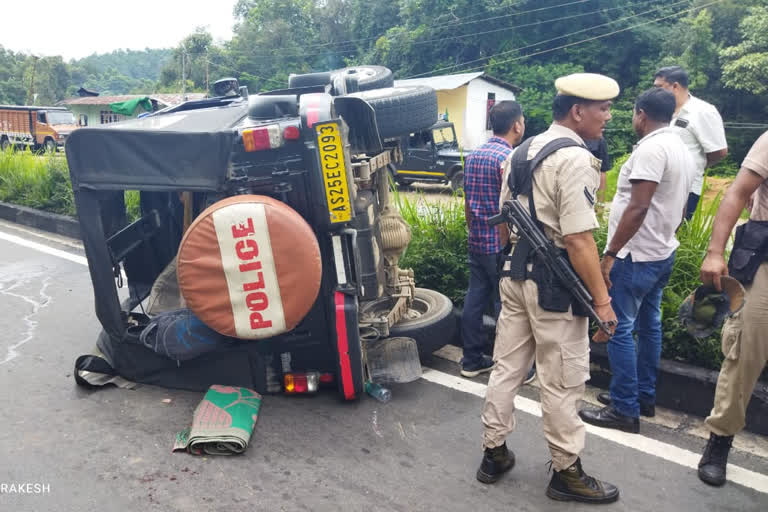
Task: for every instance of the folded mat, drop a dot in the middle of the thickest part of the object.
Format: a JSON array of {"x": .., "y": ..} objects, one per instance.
[{"x": 223, "y": 422}]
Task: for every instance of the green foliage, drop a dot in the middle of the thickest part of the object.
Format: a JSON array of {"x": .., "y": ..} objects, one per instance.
[
  {"x": 694, "y": 236},
  {"x": 438, "y": 249},
  {"x": 726, "y": 168},
  {"x": 132, "y": 205},
  {"x": 119, "y": 72},
  {"x": 35, "y": 181},
  {"x": 612, "y": 177},
  {"x": 746, "y": 64}
]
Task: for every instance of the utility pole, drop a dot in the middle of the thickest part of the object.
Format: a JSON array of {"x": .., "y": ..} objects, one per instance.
[
  {"x": 183, "y": 73},
  {"x": 207, "y": 84},
  {"x": 31, "y": 94}
]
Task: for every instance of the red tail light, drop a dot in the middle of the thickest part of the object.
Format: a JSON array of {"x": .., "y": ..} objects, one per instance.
[
  {"x": 306, "y": 382},
  {"x": 291, "y": 133},
  {"x": 263, "y": 137}
]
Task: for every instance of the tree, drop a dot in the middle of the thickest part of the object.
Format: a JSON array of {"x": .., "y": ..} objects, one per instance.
[{"x": 745, "y": 65}]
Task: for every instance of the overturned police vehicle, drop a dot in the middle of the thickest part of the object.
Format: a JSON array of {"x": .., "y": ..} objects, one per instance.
[{"x": 266, "y": 253}]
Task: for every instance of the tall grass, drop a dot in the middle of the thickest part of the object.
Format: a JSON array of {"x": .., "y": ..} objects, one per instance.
[
  {"x": 438, "y": 248},
  {"x": 36, "y": 181}
]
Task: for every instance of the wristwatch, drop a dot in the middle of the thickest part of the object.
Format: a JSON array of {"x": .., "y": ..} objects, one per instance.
[{"x": 611, "y": 254}]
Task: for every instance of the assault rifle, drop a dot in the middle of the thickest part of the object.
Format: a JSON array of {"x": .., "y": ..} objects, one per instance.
[{"x": 515, "y": 215}]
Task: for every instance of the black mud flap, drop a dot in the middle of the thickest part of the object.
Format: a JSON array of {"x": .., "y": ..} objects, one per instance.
[{"x": 393, "y": 360}]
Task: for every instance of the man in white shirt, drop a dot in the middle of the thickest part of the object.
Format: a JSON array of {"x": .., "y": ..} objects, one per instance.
[
  {"x": 700, "y": 126},
  {"x": 647, "y": 209}
]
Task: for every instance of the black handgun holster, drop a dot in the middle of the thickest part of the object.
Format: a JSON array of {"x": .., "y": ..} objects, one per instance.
[{"x": 750, "y": 250}]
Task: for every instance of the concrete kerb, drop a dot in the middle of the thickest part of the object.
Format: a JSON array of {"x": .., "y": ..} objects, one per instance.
[
  {"x": 680, "y": 387},
  {"x": 45, "y": 221}
]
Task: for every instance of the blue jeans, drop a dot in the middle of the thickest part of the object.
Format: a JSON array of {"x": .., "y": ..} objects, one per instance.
[
  {"x": 636, "y": 299},
  {"x": 690, "y": 208},
  {"x": 483, "y": 287}
]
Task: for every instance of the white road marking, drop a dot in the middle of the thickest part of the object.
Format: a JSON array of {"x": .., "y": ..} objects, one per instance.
[
  {"x": 59, "y": 239},
  {"x": 686, "y": 458},
  {"x": 43, "y": 248},
  {"x": 644, "y": 444}
]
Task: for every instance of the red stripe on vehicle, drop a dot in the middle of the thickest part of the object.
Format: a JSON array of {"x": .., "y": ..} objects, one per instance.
[
  {"x": 342, "y": 344},
  {"x": 313, "y": 116}
]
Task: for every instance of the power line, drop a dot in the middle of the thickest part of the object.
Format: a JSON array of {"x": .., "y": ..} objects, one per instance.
[
  {"x": 373, "y": 38},
  {"x": 562, "y": 37},
  {"x": 414, "y": 43}
]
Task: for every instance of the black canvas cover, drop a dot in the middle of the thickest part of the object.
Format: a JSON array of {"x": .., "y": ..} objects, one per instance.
[{"x": 177, "y": 151}]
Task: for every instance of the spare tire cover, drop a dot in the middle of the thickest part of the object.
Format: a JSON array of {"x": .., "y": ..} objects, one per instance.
[{"x": 249, "y": 267}]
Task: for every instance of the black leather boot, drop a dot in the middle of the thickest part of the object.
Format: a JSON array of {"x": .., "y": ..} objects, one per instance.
[
  {"x": 713, "y": 461},
  {"x": 608, "y": 417},
  {"x": 496, "y": 462},
  {"x": 646, "y": 409},
  {"x": 573, "y": 484}
]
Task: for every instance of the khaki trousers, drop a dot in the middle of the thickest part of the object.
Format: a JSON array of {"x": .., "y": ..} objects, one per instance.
[
  {"x": 745, "y": 347},
  {"x": 559, "y": 343}
]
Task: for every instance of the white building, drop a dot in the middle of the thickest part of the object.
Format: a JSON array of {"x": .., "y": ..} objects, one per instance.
[{"x": 467, "y": 98}]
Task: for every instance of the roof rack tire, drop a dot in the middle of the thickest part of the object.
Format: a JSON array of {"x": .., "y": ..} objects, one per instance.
[
  {"x": 402, "y": 110},
  {"x": 368, "y": 77},
  {"x": 309, "y": 79},
  {"x": 430, "y": 320}
]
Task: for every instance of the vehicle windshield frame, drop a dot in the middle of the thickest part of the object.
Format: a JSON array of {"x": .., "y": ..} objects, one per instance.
[
  {"x": 52, "y": 115},
  {"x": 440, "y": 140}
]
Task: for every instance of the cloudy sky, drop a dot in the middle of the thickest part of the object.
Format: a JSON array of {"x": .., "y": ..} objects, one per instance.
[{"x": 78, "y": 28}]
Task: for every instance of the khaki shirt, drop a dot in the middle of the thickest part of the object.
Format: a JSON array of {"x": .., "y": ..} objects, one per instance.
[
  {"x": 757, "y": 161},
  {"x": 564, "y": 186}
]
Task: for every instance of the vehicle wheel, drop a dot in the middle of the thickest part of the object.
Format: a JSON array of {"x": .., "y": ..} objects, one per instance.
[
  {"x": 457, "y": 182},
  {"x": 370, "y": 77},
  {"x": 309, "y": 79},
  {"x": 430, "y": 320},
  {"x": 49, "y": 146},
  {"x": 4, "y": 144},
  {"x": 402, "y": 110}
]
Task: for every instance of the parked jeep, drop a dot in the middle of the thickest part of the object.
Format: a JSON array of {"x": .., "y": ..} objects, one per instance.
[
  {"x": 267, "y": 251},
  {"x": 432, "y": 155}
]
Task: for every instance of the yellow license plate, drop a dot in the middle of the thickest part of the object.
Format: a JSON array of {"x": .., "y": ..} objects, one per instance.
[{"x": 334, "y": 172}]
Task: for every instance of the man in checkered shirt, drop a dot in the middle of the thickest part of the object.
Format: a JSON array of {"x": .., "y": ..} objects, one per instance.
[{"x": 482, "y": 186}]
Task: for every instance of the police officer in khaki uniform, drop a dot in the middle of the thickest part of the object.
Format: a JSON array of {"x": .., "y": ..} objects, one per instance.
[{"x": 564, "y": 190}]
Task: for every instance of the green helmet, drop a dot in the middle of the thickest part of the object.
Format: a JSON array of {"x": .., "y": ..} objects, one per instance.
[{"x": 706, "y": 309}]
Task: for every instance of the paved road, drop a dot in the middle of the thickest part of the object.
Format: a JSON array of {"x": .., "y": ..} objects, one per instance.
[{"x": 109, "y": 450}]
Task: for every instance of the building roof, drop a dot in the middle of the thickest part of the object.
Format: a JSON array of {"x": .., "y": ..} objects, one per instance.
[
  {"x": 448, "y": 82},
  {"x": 29, "y": 107},
  {"x": 165, "y": 99}
]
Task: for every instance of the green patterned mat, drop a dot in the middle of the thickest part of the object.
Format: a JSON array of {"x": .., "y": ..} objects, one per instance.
[{"x": 223, "y": 422}]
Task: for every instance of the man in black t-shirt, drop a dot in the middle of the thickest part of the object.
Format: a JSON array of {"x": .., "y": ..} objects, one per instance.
[{"x": 599, "y": 149}]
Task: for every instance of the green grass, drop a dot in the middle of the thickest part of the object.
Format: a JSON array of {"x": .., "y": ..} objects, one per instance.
[
  {"x": 612, "y": 177},
  {"x": 36, "y": 181},
  {"x": 438, "y": 248}
]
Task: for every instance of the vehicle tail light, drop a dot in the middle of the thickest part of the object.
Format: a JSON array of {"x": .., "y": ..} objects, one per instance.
[
  {"x": 326, "y": 378},
  {"x": 263, "y": 137},
  {"x": 304, "y": 382},
  {"x": 291, "y": 133}
]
